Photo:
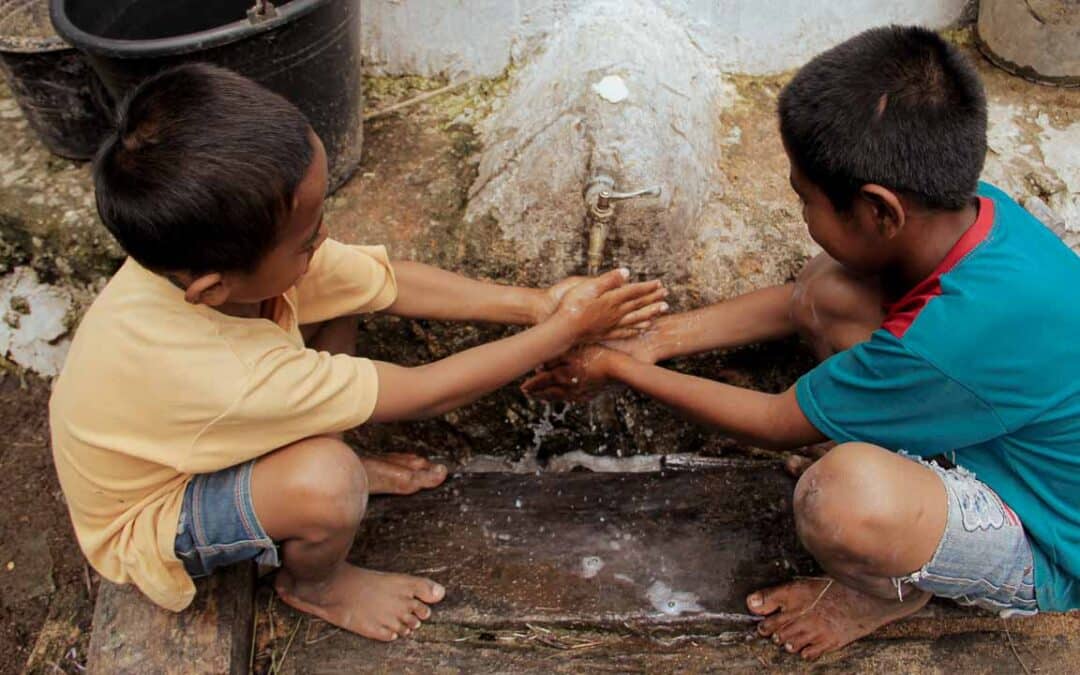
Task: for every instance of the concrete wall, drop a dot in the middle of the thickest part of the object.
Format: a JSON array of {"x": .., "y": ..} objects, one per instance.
[{"x": 481, "y": 37}]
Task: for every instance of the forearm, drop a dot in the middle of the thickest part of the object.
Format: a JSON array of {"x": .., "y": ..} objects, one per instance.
[
  {"x": 766, "y": 420},
  {"x": 426, "y": 292},
  {"x": 438, "y": 387},
  {"x": 754, "y": 317}
]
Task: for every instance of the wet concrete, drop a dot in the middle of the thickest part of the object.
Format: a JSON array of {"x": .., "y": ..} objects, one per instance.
[{"x": 599, "y": 549}]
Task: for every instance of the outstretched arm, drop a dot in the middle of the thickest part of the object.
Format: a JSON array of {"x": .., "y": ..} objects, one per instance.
[
  {"x": 426, "y": 292},
  {"x": 754, "y": 317},
  {"x": 587, "y": 312},
  {"x": 766, "y": 420}
]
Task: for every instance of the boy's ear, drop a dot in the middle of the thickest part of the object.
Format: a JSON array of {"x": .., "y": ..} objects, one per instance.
[
  {"x": 210, "y": 289},
  {"x": 883, "y": 209}
]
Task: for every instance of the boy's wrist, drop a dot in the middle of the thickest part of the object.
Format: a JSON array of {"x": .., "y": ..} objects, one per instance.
[
  {"x": 566, "y": 326},
  {"x": 614, "y": 364},
  {"x": 539, "y": 304},
  {"x": 656, "y": 343}
]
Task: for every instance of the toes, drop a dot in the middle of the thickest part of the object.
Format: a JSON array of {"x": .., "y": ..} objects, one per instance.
[
  {"x": 407, "y": 460},
  {"x": 398, "y": 627},
  {"x": 381, "y": 633},
  {"x": 428, "y": 591},
  {"x": 774, "y": 624},
  {"x": 796, "y": 465},
  {"x": 431, "y": 477},
  {"x": 796, "y": 639},
  {"x": 411, "y": 621},
  {"x": 816, "y": 649},
  {"x": 768, "y": 601},
  {"x": 422, "y": 611},
  {"x": 399, "y": 479}
]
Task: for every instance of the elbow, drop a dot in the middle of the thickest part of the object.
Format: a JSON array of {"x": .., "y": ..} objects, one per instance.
[
  {"x": 780, "y": 432},
  {"x": 428, "y": 399}
]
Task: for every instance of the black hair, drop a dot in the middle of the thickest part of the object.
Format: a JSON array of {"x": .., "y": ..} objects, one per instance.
[
  {"x": 897, "y": 106},
  {"x": 200, "y": 170}
]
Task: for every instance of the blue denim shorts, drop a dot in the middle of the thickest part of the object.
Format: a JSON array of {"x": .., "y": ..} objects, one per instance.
[
  {"x": 218, "y": 525},
  {"x": 984, "y": 557}
]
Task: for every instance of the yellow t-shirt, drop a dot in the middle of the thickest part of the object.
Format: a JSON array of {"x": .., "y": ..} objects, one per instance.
[{"x": 155, "y": 389}]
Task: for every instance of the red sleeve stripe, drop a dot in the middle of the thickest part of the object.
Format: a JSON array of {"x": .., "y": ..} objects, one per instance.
[{"x": 901, "y": 314}]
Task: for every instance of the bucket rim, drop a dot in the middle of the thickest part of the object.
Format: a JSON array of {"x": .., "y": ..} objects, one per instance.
[
  {"x": 177, "y": 44},
  {"x": 18, "y": 44}
]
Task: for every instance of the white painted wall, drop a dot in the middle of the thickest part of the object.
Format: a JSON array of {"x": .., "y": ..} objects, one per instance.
[{"x": 481, "y": 37}]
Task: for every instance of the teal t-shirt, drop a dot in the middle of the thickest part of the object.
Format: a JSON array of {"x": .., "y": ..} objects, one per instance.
[{"x": 981, "y": 362}]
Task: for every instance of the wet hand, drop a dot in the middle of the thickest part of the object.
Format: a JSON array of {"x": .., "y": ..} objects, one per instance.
[
  {"x": 638, "y": 342},
  {"x": 577, "y": 376},
  {"x": 554, "y": 294},
  {"x": 606, "y": 307},
  {"x": 627, "y": 329}
]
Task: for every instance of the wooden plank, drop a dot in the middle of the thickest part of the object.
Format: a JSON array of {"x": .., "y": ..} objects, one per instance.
[
  {"x": 593, "y": 549},
  {"x": 438, "y": 650},
  {"x": 213, "y": 635}
]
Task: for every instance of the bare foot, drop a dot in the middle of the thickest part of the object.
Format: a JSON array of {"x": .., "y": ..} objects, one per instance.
[
  {"x": 797, "y": 462},
  {"x": 815, "y": 616},
  {"x": 796, "y": 465},
  {"x": 376, "y": 605},
  {"x": 401, "y": 474}
]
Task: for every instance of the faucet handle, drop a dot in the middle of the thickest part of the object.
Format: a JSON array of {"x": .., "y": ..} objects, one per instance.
[{"x": 654, "y": 191}]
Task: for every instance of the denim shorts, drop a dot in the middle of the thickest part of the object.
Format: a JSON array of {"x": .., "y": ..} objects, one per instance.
[
  {"x": 984, "y": 558},
  {"x": 218, "y": 525}
]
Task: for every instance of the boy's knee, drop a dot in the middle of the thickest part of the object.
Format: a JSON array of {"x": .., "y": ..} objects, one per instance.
[
  {"x": 328, "y": 483},
  {"x": 337, "y": 336},
  {"x": 838, "y": 501},
  {"x": 826, "y": 293}
]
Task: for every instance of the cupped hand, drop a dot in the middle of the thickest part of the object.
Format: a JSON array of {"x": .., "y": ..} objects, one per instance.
[{"x": 576, "y": 376}]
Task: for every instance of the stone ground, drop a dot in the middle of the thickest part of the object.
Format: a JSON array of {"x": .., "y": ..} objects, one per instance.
[{"x": 410, "y": 193}]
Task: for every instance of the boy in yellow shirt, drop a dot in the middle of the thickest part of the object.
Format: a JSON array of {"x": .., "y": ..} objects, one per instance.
[{"x": 197, "y": 421}]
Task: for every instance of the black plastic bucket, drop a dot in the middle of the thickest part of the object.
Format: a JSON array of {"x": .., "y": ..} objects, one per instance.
[
  {"x": 57, "y": 90},
  {"x": 308, "y": 52}
]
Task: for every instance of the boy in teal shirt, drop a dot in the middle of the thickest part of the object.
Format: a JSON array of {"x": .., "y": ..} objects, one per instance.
[{"x": 947, "y": 320}]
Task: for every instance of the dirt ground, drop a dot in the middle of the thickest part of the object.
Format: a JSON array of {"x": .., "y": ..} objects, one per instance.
[{"x": 46, "y": 589}]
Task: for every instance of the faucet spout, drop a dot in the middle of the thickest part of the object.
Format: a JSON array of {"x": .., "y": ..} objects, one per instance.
[
  {"x": 599, "y": 195},
  {"x": 598, "y": 232}
]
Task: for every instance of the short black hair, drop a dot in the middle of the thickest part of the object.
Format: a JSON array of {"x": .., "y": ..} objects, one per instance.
[
  {"x": 201, "y": 168},
  {"x": 897, "y": 106}
]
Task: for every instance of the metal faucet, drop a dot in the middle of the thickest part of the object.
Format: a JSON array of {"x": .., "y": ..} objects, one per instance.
[{"x": 599, "y": 195}]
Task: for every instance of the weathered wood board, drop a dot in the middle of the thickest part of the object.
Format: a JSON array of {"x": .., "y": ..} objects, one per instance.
[
  {"x": 990, "y": 653},
  {"x": 213, "y": 635},
  {"x": 597, "y": 549}
]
